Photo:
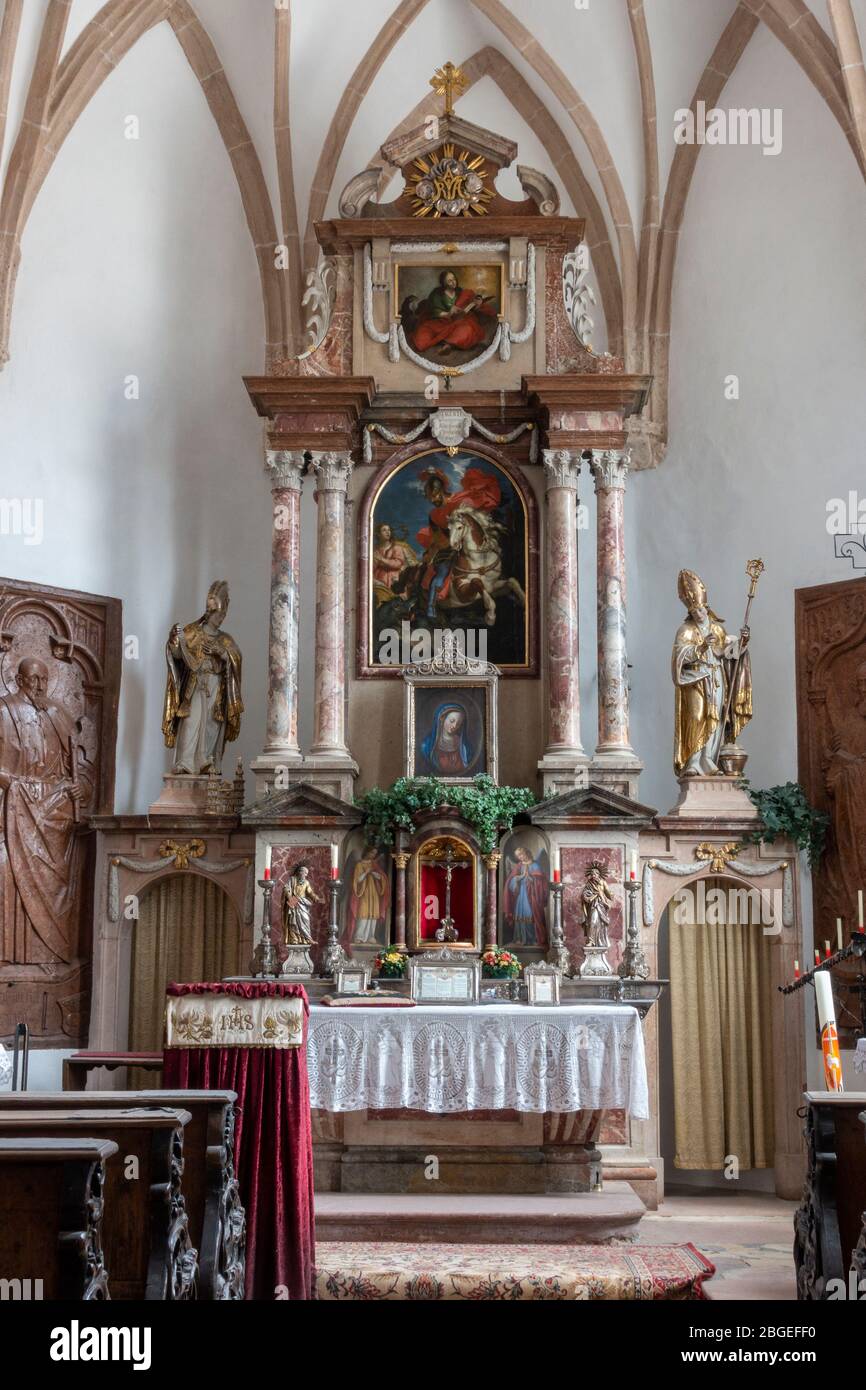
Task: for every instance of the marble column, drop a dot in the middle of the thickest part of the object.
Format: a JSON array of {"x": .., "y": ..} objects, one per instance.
[
  {"x": 332, "y": 471},
  {"x": 564, "y": 749},
  {"x": 609, "y": 469},
  {"x": 401, "y": 860},
  {"x": 491, "y": 912},
  {"x": 286, "y": 472}
]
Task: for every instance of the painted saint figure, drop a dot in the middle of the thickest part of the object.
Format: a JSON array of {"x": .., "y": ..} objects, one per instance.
[
  {"x": 391, "y": 557},
  {"x": 446, "y": 747},
  {"x": 203, "y": 704},
  {"x": 703, "y": 664},
  {"x": 525, "y": 900},
  {"x": 597, "y": 902},
  {"x": 368, "y": 903},
  {"x": 297, "y": 907},
  {"x": 450, "y": 318},
  {"x": 44, "y": 786}
]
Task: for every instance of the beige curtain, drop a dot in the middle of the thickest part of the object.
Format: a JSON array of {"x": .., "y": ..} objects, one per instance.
[
  {"x": 721, "y": 1004},
  {"x": 187, "y": 930}
]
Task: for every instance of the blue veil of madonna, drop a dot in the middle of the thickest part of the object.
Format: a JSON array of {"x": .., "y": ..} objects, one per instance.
[{"x": 428, "y": 747}]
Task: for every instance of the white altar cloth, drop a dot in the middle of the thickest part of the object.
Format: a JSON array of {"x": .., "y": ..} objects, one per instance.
[{"x": 478, "y": 1057}]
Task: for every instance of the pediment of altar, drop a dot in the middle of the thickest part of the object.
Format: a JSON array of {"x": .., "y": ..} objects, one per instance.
[
  {"x": 301, "y": 804},
  {"x": 591, "y": 807}
]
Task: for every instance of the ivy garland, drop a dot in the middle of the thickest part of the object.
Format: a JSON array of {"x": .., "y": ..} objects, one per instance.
[
  {"x": 785, "y": 810},
  {"x": 488, "y": 808}
]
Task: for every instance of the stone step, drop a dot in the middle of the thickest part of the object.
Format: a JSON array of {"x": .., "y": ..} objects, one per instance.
[{"x": 583, "y": 1218}]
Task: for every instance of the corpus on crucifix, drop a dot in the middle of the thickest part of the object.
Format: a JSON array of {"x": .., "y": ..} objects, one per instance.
[{"x": 448, "y": 861}]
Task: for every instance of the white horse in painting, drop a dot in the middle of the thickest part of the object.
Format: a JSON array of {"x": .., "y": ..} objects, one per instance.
[{"x": 476, "y": 573}]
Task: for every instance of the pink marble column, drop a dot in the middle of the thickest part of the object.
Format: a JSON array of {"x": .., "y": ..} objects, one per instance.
[
  {"x": 562, "y": 468},
  {"x": 610, "y": 469},
  {"x": 332, "y": 471},
  {"x": 286, "y": 470}
]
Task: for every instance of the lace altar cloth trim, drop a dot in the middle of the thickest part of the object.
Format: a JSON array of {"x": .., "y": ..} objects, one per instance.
[
  {"x": 222, "y": 1020},
  {"x": 492, "y": 1057}
]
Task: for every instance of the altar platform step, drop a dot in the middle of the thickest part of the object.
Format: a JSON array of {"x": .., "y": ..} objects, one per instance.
[{"x": 583, "y": 1218}]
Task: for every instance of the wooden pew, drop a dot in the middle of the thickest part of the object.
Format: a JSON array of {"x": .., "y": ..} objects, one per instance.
[
  {"x": 148, "y": 1251},
  {"x": 216, "y": 1216},
  {"x": 78, "y": 1065},
  {"x": 51, "y": 1202}
]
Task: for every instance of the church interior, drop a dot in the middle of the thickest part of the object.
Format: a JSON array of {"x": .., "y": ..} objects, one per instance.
[{"x": 432, "y": 652}]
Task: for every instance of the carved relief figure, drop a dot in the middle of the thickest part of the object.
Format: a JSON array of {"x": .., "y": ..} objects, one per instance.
[
  {"x": 203, "y": 704},
  {"x": 703, "y": 666},
  {"x": 597, "y": 901},
  {"x": 844, "y": 769},
  {"x": 45, "y": 786},
  {"x": 298, "y": 898},
  {"x": 369, "y": 899},
  {"x": 525, "y": 900}
]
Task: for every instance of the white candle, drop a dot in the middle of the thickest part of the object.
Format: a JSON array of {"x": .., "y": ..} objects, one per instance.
[
  {"x": 556, "y": 864},
  {"x": 633, "y": 865},
  {"x": 824, "y": 998},
  {"x": 860, "y": 907},
  {"x": 269, "y": 849},
  {"x": 839, "y": 933}
]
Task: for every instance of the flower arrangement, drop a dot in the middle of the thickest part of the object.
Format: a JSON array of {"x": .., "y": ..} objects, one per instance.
[
  {"x": 391, "y": 964},
  {"x": 497, "y": 964}
]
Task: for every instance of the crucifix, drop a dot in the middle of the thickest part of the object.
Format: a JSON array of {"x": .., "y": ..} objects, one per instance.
[
  {"x": 447, "y": 931},
  {"x": 445, "y": 82}
]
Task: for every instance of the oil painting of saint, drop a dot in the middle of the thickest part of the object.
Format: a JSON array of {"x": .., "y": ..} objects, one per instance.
[
  {"x": 449, "y": 548},
  {"x": 525, "y": 891},
  {"x": 369, "y": 900},
  {"x": 449, "y": 315},
  {"x": 450, "y": 733}
]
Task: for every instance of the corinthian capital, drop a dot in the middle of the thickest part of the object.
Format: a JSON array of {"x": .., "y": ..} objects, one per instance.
[
  {"x": 561, "y": 468},
  {"x": 286, "y": 468},
  {"x": 332, "y": 471},
  {"x": 609, "y": 467}
]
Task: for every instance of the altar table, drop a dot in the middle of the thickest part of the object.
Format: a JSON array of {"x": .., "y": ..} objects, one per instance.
[
  {"x": 478, "y": 1057},
  {"x": 273, "y": 1143}
]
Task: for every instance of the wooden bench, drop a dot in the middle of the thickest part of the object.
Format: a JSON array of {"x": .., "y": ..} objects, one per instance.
[
  {"x": 148, "y": 1252},
  {"x": 51, "y": 1194},
  {"x": 78, "y": 1066},
  {"x": 216, "y": 1216}
]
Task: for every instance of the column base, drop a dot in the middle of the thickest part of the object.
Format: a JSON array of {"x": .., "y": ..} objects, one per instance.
[
  {"x": 567, "y": 771},
  {"x": 617, "y": 768}
]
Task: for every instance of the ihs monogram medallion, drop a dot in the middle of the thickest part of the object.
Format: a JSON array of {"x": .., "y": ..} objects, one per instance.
[{"x": 449, "y": 185}]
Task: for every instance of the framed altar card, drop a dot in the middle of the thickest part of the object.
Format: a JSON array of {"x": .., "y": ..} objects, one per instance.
[
  {"x": 352, "y": 979},
  {"x": 440, "y": 978},
  {"x": 542, "y": 984}
]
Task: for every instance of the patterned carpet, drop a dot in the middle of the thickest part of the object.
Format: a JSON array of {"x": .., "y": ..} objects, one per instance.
[{"x": 502, "y": 1273}]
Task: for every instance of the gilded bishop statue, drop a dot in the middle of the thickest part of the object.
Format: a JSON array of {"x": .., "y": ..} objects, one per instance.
[
  {"x": 203, "y": 704},
  {"x": 712, "y": 678}
]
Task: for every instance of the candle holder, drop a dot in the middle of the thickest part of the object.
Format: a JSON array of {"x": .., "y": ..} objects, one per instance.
[
  {"x": 334, "y": 957},
  {"x": 633, "y": 965},
  {"x": 266, "y": 958},
  {"x": 558, "y": 955}
]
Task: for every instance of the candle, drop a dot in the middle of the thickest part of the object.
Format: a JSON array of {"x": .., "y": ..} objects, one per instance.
[
  {"x": 557, "y": 872},
  {"x": 827, "y": 951},
  {"x": 860, "y": 908},
  {"x": 796, "y": 970},
  {"x": 838, "y": 933},
  {"x": 829, "y": 1036},
  {"x": 817, "y": 957},
  {"x": 335, "y": 860},
  {"x": 268, "y": 853},
  {"x": 633, "y": 866}
]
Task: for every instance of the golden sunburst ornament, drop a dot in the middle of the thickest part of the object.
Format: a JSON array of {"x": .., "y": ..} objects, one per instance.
[{"x": 446, "y": 184}]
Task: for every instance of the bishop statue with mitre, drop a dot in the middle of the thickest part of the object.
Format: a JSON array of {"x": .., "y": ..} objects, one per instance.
[
  {"x": 203, "y": 705},
  {"x": 712, "y": 677}
]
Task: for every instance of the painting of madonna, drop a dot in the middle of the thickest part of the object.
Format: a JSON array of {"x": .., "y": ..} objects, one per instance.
[{"x": 449, "y": 734}]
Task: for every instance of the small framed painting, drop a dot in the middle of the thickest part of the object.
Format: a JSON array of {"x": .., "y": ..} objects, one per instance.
[
  {"x": 442, "y": 977},
  {"x": 352, "y": 979},
  {"x": 542, "y": 984},
  {"x": 449, "y": 314},
  {"x": 450, "y": 727}
]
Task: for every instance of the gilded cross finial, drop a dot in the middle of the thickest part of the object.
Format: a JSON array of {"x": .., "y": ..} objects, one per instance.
[{"x": 446, "y": 81}]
